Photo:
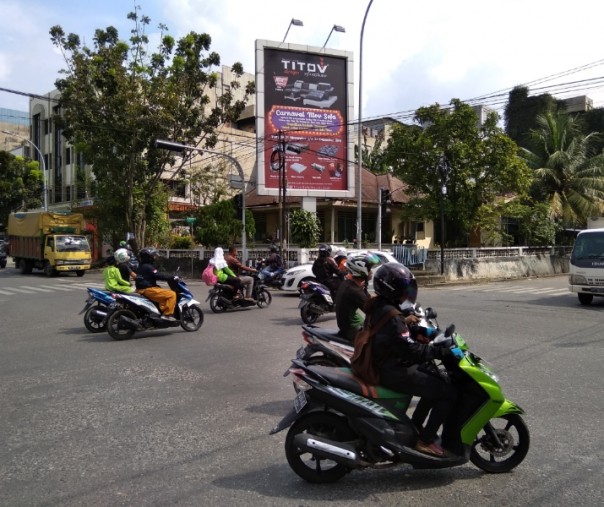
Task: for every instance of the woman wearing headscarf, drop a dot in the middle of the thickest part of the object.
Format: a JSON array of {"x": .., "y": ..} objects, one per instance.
[{"x": 223, "y": 273}]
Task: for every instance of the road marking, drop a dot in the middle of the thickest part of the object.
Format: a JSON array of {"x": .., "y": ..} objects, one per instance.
[
  {"x": 24, "y": 291},
  {"x": 40, "y": 289},
  {"x": 56, "y": 287},
  {"x": 6, "y": 293}
]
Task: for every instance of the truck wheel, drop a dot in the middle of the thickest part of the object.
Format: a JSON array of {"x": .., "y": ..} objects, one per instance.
[
  {"x": 26, "y": 266},
  {"x": 2, "y": 264},
  {"x": 585, "y": 299},
  {"x": 49, "y": 270},
  {"x": 80, "y": 272}
]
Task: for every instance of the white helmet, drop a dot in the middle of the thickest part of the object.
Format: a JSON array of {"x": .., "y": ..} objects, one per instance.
[
  {"x": 360, "y": 265},
  {"x": 121, "y": 255},
  {"x": 340, "y": 253}
]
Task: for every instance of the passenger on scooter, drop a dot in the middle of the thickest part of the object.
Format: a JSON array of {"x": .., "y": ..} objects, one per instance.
[
  {"x": 122, "y": 258},
  {"x": 146, "y": 283},
  {"x": 326, "y": 270},
  {"x": 113, "y": 278},
  {"x": 274, "y": 264},
  {"x": 235, "y": 265},
  {"x": 224, "y": 274},
  {"x": 340, "y": 257},
  {"x": 352, "y": 294},
  {"x": 396, "y": 356}
]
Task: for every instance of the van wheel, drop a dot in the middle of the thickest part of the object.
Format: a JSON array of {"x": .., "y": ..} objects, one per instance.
[{"x": 585, "y": 299}]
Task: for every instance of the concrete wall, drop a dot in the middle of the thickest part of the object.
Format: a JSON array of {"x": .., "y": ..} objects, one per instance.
[{"x": 501, "y": 267}]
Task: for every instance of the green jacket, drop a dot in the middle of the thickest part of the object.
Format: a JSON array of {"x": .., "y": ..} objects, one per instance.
[
  {"x": 114, "y": 281},
  {"x": 224, "y": 273}
]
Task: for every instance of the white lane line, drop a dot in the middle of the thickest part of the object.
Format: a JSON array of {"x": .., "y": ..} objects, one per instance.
[
  {"x": 24, "y": 291},
  {"x": 56, "y": 287},
  {"x": 6, "y": 293},
  {"x": 40, "y": 289}
]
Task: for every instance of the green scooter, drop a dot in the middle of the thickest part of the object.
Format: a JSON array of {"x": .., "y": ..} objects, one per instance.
[{"x": 339, "y": 423}]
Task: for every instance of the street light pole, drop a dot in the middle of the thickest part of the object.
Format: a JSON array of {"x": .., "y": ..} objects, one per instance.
[
  {"x": 360, "y": 137},
  {"x": 45, "y": 196},
  {"x": 173, "y": 146},
  {"x": 444, "y": 169}
]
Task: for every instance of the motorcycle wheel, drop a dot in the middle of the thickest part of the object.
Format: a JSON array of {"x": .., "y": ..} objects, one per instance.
[
  {"x": 191, "y": 318},
  {"x": 310, "y": 467},
  {"x": 116, "y": 329},
  {"x": 216, "y": 305},
  {"x": 307, "y": 315},
  {"x": 264, "y": 298},
  {"x": 94, "y": 326},
  {"x": 514, "y": 437}
]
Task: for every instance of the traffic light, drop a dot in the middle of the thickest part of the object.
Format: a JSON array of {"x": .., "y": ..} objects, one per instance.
[
  {"x": 384, "y": 196},
  {"x": 238, "y": 204}
]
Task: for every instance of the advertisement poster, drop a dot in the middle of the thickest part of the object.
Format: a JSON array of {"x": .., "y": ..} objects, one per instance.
[{"x": 306, "y": 117}]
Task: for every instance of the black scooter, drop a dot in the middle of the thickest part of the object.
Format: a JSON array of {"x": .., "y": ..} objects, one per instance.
[{"x": 222, "y": 297}]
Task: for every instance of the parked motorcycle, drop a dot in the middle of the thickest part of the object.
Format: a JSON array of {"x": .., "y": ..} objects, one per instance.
[
  {"x": 315, "y": 300},
  {"x": 96, "y": 310},
  {"x": 137, "y": 313},
  {"x": 222, "y": 297},
  {"x": 339, "y": 423}
]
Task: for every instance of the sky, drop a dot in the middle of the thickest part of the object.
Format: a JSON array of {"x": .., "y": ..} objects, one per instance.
[{"x": 414, "y": 53}]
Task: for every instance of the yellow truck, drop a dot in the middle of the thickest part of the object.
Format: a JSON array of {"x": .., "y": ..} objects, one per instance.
[{"x": 49, "y": 241}]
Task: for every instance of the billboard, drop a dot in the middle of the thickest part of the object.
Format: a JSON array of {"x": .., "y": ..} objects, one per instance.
[{"x": 304, "y": 110}]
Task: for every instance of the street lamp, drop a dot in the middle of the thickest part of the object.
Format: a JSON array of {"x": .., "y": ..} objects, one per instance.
[
  {"x": 360, "y": 140},
  {"x": 444, "y": 169},
  {"x": 173, "y": 146},
  {"x": 334, "y": 28},
  {"x": 45, "y": 197},
  {"x": 295, "y": 22}
]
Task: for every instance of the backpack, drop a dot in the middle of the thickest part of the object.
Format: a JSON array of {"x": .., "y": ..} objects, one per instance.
[
  {"x": 362, "y": 361},
  {"x": 208, "y": 275}
]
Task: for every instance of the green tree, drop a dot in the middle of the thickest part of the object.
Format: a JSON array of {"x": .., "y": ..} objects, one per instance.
[
  {"x": 305, "y": 228},
  {"x": 569, "y": 173},
  {"x": 117, "y": 98},
  {"x": 217, "y": 224},
  {"x": 21, "y": 185},
  {"x": 483, "y": 164}
]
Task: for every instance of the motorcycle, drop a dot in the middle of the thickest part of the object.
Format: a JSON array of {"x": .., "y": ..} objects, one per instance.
[
  {"x": 272, "y": 279},
  {"x": 339, "y": 423},
  {"x": 222, "y": 297},
  {"x": 137, "y": 313},
  {"x": 315, "y": 300},
  {"x": 97, "y": 309}
]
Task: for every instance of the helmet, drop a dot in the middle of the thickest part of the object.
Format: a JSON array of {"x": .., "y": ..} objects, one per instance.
[
  {"x": 273, "y": 249},
  {"x": 340, "y": 253},
  {"x": 123, "y": 244},
  {"x": 394, "y": 282},
  {"x": 148, "y": 255},
  {"x": 121, "y": 255},
  {"x": 324, "y": 250},
  {"x": 360, "y": 265}
]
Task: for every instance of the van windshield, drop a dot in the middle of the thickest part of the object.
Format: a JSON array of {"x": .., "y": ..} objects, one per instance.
[
  {"x": 589, "y": 246},
  {"x": 71, "y": 244}
]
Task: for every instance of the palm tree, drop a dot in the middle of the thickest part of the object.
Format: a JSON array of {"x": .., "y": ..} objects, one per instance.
[{"x": 569, "y": 175}]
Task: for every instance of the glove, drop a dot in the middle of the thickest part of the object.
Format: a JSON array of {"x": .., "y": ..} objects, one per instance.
[
  {"x": 175, "y": 278},
  {"x": 457, "y": 353}
]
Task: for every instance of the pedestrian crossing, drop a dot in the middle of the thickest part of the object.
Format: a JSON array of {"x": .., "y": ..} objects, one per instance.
[
  {"x": 48, "y": 288},
  {"x": 513, "y": 289}
]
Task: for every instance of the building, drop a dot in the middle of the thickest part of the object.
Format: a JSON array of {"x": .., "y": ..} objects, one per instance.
[{"x": 17, "y": 122}]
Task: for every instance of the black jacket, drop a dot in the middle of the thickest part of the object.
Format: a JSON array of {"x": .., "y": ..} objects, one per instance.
[
  {"x": 393, "y": 350},
  {"x": 325, "y": 268},
  {"x": 147, "y": 276}
]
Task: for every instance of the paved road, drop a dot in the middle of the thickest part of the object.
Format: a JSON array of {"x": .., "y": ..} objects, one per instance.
[{"x": 183, "y": 418}]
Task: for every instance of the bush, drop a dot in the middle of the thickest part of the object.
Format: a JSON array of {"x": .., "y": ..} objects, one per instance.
[{"x": 181, "y": 242}]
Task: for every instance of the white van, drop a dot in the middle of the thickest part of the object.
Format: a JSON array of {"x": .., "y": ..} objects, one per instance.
[{"x": 587, "y": 265}]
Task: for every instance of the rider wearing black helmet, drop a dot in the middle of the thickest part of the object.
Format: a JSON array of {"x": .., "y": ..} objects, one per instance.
[
  {"x": 326, "y": 270},
  {"x": 146, "y": 283},
  {"x": 352, "y": 294},
  {"x": 396, "y": 356}
]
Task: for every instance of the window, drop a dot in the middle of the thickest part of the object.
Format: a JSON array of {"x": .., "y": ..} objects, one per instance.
[{"x": 67, "y": 156}]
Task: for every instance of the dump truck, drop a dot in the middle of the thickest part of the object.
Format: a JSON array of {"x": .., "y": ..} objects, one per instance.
[{"x": 52, "y": 242}]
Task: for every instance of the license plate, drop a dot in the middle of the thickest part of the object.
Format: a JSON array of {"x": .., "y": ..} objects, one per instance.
[{"x": 300, "y": 401}]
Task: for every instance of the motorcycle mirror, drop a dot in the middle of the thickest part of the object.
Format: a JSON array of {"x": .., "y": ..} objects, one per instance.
[
  {"x": 430, "y": 313},
  {"x": 450, "y": 330}
]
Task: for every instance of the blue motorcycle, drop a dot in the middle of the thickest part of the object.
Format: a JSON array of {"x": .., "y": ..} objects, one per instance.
[
  {"x": 315, "y": 300},
  {"x": 97, "y": 309}
]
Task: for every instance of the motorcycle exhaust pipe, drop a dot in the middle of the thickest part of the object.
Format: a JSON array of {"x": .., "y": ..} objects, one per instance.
[
  {"x": 328, "y": 449},
  {"x": 98, "y": 315},
  {"x": 132, "y": 324}
]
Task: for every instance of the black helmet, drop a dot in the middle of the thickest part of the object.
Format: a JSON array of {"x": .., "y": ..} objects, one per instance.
[
  {"x": 360, "y": 265},
  {"x": 273, "y": 249},
  {"x": 394, "y": 282},
  {"x": 324, "y": 250},
  {"x": 147, "y": 255}
]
